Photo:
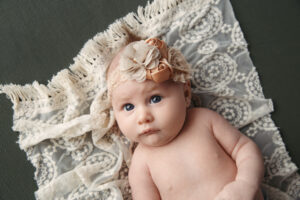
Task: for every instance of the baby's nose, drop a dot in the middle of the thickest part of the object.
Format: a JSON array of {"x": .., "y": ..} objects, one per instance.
[{"x": 145, "y": 116}]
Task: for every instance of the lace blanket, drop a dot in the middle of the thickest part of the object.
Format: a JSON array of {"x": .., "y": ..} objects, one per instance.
[{"x": 59, "y": 123}]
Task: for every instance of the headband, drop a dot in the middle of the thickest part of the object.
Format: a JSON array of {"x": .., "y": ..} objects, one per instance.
[{"x": 149, "y": 59}]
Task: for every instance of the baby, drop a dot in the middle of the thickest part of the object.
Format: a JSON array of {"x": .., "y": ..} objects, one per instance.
[{"x": 182, "y": 152}]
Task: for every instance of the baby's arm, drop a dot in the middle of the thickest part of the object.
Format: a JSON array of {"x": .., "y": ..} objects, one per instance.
[
  {"x": 141, "y": 183},
  {"x": 248, "y": 158}
]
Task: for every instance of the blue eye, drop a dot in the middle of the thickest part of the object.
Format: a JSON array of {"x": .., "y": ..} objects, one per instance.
[
  {"x": 155, "y": 99},
  {"x": 128, "y": 107}
]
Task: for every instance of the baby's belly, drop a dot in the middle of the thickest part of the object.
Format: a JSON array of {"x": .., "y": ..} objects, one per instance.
[{"x": 197, "y": 176}]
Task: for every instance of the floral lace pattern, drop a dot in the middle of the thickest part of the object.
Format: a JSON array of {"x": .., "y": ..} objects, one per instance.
[
  {"x": 59, "y": 123},
  {"x": 213, "y": 71}
]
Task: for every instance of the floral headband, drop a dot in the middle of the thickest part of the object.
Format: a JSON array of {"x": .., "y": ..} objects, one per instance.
[
  {"x": 149, "y": 59},
  {"x": 163, "y": 71}
]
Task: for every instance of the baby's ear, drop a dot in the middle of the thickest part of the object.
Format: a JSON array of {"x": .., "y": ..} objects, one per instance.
[{"x": 187, "y": 93}]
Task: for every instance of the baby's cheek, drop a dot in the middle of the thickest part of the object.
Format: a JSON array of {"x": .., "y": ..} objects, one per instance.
[
  {"x": 176, "y": 119},
  {"x": 122, "y": 127},
  {"x": 126, "y": 128}
]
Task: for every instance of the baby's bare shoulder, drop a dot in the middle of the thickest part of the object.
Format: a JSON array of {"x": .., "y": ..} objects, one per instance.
[
  {"x": 138, "y": 155},
  {"x": 138, "y": 161},
  {"x": 200, "y": 118},
  {"x": 202, "y": 113}
]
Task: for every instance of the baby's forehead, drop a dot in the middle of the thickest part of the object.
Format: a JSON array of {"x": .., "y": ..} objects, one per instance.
[{"x": 132, "y": 88}]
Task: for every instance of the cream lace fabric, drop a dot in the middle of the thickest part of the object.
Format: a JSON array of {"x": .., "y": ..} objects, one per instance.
[{"x": 67, "y": 128}]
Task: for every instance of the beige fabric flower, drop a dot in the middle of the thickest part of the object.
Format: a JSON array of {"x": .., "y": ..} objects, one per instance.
[
  {"x": 137, "y": 58},
  {"x": 150, "y": 59},
  {"x": 161, "y": 45},
  {"x": 160, "y": 73}
]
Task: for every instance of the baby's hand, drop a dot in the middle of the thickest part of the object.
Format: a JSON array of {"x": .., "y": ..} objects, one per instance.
[{"x": 238, "y": 190}]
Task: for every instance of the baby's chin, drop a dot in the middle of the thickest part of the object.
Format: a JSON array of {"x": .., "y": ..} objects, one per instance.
[{"x": 154, "y": 140}]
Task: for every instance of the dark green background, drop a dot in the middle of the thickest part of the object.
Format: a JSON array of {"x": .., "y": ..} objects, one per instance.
[{"x": 39, "y": 38}]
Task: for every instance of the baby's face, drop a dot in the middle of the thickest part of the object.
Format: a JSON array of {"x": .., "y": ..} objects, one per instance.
[{"x": 150, "y": 113}]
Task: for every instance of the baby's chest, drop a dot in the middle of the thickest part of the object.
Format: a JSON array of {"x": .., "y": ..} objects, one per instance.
[
  {"x": 194, "y": 161},
  {"x": 187, "y": 161}
]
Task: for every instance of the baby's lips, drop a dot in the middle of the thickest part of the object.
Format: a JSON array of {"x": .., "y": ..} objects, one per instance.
[{"x": 149, "y": 131}]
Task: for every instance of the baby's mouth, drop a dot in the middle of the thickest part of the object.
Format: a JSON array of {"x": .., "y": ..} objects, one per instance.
[{"x": 149, "y": 131}]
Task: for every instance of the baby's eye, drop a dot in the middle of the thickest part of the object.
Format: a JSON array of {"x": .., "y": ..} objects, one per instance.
[
  {"x": 155, "y": 99},
  {"x": 128, "y": 107}
]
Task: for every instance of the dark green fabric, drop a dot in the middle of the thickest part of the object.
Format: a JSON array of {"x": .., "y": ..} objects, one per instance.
[
  {"x": 39, "y": 38},
  {"x": 272, "y": 30}
]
